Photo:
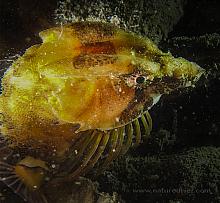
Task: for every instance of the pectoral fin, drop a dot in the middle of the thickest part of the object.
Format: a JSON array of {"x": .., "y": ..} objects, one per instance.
[{"x": 24, "y": 181}]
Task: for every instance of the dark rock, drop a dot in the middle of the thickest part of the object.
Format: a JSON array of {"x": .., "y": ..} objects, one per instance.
[
  {"x": 191, "y": 175},
  {"x": 154, "y": 19}
]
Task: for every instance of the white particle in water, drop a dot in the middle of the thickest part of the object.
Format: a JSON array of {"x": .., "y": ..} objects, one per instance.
[{"x": 53, "y": 166}]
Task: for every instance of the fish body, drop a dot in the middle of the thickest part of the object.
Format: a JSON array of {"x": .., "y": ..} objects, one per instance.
[{"x": 83, "y": 92}]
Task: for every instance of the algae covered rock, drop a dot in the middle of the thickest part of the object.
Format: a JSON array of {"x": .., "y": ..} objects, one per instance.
[{"x": 189, "y": 175}]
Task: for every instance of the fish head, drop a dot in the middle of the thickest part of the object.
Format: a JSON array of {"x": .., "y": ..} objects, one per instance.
[
  {"x": 161, "y": 73},
  {"x": 155, "y": 74}
]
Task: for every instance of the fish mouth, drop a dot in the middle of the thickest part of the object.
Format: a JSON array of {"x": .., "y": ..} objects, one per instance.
[{"x": 200, "y": 72}]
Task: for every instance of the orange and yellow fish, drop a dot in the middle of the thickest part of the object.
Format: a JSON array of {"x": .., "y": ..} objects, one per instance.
[{"x": 80, "y": 97}]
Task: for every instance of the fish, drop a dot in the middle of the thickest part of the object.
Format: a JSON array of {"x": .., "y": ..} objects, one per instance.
[{"x": 81, "y": 98}]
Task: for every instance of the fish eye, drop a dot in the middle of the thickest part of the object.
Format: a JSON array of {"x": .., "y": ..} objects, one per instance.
[{"x": 140, "y": 79}]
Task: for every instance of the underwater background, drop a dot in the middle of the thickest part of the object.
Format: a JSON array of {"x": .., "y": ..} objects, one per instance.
[{"x": 181, "y": 161}]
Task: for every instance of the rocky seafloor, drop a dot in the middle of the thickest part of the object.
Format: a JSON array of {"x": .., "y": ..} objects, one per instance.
[{"x": 181, "y": 160}]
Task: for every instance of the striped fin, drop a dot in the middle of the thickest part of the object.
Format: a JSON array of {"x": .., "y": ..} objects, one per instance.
[
  {"x": 86, "y": 151},
  {"x": 103, "y": 147},
  {"x": 13, "y": 181},
  {"x": 140, "y": 127}
]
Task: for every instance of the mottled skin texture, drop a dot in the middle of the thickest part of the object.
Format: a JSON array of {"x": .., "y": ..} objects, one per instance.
[{"x": 83, "y": 77}]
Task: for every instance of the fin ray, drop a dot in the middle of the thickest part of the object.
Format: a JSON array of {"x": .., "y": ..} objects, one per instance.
[
  {"x": 137, "y": 129},
  {"x": 92, "y": 149},
  {"x": 9, "y": 177},
  {"x": 129, "y": 132},
  {"x": 99, "y": 152},
  {"x": 146, "y": 127},
  {"x": 116, "y": 144},
  {"x": 149, "y": 120},
  {"x": 111, "y": 149}
]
